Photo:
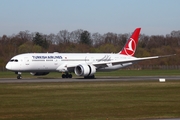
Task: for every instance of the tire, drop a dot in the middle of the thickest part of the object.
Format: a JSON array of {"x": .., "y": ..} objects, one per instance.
[
  {"x": 70, "y": 76},
  {"x": 63, "y": 76},
  {"x": 19, "y": 77}
]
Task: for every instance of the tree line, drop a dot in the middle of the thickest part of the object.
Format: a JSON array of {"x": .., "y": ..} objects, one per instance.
[{"x": 82, "y": 41}]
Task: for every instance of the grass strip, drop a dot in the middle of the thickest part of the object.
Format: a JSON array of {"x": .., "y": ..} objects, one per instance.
[{"x": 90, "y": 100}]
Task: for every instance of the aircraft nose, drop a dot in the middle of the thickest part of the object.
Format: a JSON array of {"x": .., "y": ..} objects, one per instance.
[{"x": 8, "y": 66}]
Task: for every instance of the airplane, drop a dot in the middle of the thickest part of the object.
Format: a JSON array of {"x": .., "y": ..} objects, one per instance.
[{"x": 82, "y": 64}]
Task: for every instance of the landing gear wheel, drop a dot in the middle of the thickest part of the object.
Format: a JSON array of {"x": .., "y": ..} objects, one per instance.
[
  {"x": 63, "y": 76},
  {"x": 70, "y": 76},
  {"x": 67, "y": 75},
  {"x": 19, "y": 77}
]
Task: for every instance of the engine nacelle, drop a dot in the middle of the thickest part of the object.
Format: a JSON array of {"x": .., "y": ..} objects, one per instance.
[
  {"x": 85, "y": 70},
  {"x": 39, "y": 73}
]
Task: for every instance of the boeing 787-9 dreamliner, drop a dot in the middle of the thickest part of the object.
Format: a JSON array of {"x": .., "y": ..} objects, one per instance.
[{"x": 82, "y": 64}]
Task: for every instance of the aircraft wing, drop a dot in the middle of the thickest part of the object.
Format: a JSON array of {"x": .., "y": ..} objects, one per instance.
[
  {"x": 105, "y": 64},
  {"x": 70, "y": 67}
]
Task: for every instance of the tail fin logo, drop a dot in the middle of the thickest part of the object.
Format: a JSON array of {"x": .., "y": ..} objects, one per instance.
[{"x": 131, "y": 47}]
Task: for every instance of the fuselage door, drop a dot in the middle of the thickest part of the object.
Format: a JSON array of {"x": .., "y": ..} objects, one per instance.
[{"x": 26, "y": 61}]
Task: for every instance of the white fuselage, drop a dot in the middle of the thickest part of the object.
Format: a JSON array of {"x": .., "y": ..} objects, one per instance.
[{"x": 31, "y": 62}]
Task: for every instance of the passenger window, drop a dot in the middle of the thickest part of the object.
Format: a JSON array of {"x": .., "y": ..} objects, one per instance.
[{"x": 16, "y": 60}]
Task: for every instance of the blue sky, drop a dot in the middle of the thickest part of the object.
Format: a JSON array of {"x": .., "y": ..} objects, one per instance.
[{"x": 155, "y": 17}]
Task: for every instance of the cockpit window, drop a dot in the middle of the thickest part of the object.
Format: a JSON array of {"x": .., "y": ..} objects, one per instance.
[{"x": 13, "y": 60}]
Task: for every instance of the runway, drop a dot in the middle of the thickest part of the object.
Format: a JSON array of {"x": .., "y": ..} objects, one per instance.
[{"x": 98, "y": 79}]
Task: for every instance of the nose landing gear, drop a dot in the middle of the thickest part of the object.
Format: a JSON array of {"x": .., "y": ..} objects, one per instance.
[{"x": 18, "y": 75}]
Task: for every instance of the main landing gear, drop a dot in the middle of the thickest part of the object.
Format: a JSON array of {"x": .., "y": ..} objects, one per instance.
[
  {"x": 66, "y": 75},
  {"x": 18, "y": 75}
]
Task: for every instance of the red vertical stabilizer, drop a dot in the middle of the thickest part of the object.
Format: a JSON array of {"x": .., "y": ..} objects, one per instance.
[{"x": 130, "y": 47}]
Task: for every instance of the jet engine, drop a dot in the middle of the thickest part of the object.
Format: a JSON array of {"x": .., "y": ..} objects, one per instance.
[
  {"x": 39, "y": 73},
  {"x": 85, "y": 70}
]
